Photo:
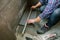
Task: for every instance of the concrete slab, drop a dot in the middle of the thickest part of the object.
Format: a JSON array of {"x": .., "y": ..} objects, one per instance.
[
  {"x": 24, "y": 18},
  {"x": 25, "y": 15},
  {"x": 33, "y": 15}
]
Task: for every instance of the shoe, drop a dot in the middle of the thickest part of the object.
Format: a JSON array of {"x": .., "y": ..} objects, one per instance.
[
  {"x": 27, "y": 38},
  {"x": 42, "y": 30}
]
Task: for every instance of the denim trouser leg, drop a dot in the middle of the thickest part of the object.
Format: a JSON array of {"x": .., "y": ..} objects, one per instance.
[
  {"x": 54, "y": 18},
  {"x": 42, "y": 8}
]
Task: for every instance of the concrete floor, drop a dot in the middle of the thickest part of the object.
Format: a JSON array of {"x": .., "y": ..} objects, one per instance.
[{"x": 31, "y": 31}]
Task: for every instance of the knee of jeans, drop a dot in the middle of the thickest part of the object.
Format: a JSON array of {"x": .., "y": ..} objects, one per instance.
[
  {"x": 57, "y": 12},
  {"x": 42, "y": 8}
]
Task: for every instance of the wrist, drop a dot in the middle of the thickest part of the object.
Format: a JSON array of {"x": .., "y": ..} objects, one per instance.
[
  {"x": 35, "y": 6},
  {"x": 37, "y": 19}
]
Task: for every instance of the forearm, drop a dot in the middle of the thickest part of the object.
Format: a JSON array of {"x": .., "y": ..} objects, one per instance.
[
  {"x": 38, "y": 19},
  {"x": 51, "y": 6},
  {"x": 38, "y": 4}
]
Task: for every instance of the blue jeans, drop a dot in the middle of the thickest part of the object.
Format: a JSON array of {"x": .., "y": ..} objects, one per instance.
[{"x": 53, "y": 18}]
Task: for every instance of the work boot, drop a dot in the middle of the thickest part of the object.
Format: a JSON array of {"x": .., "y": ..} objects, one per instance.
[{"x": 42, "y": 30}]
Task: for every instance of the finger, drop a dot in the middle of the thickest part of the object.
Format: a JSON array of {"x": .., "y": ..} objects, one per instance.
[{"x": 28, "y": 21}]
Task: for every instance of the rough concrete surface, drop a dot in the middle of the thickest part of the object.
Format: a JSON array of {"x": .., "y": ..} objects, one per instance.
[
  {"x": 9, "y": 18},
  {"x": 31, "y": 32}
]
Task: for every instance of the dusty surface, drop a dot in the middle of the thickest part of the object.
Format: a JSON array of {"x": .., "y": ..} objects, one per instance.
[
  {"x": 9, "y": 18},
  {"x": 31, "y": 32}
]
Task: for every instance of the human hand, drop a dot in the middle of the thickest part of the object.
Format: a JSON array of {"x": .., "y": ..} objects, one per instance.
[
  {"x": 30, "y": 21},
  {"x": 33, "y": 7}
]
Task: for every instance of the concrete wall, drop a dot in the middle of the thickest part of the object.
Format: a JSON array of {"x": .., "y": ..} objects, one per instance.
[
  {"x": 9, "y": 18},
  {"x": 10, "y": 13}
]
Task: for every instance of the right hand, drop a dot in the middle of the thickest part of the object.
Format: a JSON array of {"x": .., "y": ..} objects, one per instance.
[
  {"x": 30, "y": 21},
  {"x": 33, "y": 7}
]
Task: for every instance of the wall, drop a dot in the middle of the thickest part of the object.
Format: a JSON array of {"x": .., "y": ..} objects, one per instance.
[
  {"x": 10, "y": 13},
  {"x": 9, "y": 18}
]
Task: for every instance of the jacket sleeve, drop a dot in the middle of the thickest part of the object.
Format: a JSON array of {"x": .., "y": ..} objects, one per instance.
[{"x": 51, "y": 6}]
